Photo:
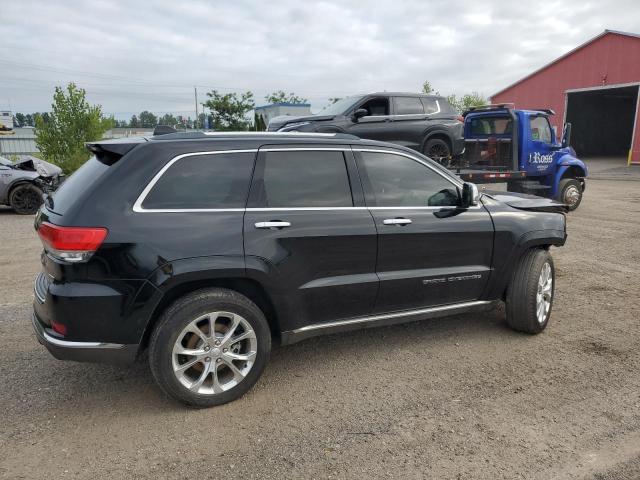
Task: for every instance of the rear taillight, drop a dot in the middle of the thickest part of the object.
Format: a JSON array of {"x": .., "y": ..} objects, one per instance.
[{"x": 71, "y": 244}]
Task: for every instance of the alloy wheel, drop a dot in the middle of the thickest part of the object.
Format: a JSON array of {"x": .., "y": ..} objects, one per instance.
[
  {"x": 214, "y": 353},
  {"x": 571, "y": 195},
  {"x": 544, "y": 293}
]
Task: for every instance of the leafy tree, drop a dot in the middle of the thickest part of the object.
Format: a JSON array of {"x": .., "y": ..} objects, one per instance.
[
  {"x": 428, "y": 89},
  {"x": 20, "y": 119},
  {"x": 168, "y": 119},
  {"x": 134, "y": 122},
  {"x": 148, "y": 119},
  {"x": 281, "y": 97},
  {"x": 29, "y": 121},
  {"x": 229, "y": 110},
  {"x": 473, "y": 99},
  {"x": 61, "y": 135}
]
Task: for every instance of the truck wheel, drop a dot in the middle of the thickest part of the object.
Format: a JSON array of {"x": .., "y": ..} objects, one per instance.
[
  {"x": 25, "y": 199},
  {"x": 438, "y": 150},
  {"x": 209, "y": 347},
  {"x": 570, "y": 193},
  {"x": 530, "y": 293}
]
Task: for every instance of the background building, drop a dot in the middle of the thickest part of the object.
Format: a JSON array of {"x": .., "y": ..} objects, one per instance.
[
  {"x": 267, "y": 112},
  {"x": 594, "y": 87}
]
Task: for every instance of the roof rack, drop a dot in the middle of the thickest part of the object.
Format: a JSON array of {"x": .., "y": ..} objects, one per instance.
[
  {"x": 491, "y": 106},
  {"x": 194, "y": 135}
]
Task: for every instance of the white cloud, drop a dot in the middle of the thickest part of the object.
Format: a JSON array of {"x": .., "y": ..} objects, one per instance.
[{"x": 131, "y": 56}]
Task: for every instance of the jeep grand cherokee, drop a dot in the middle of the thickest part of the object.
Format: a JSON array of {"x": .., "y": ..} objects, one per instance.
[{"x": 205, "y": 249}]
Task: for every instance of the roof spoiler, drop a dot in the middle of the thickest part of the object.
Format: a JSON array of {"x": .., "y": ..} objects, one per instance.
[{"x": 110, "y": 151}]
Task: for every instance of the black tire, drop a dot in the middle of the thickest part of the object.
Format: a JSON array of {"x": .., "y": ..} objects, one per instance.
[
  {"x": 521, "y": 302},
  {"x": 25, "y": 199},
  {"x": 180, "y": 314},
  {"x": 570, "y": 193},
  {"x": 438, "y": 150}
]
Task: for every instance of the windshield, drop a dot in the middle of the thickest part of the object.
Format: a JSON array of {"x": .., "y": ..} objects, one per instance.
[{"x": 341, "y": 106}]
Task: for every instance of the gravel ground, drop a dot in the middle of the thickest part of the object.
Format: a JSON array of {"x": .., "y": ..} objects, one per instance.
[{"x": 461, "y": 397}]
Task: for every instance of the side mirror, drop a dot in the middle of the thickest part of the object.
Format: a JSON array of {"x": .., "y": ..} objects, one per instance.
[
  {"x": 566, "y": 136},
  {"x": 359, "y": 113},
  {"x": 470, "y": 195}
]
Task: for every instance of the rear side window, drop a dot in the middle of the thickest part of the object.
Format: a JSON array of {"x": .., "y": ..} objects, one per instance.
[
  {"x": 207, "y": 181},
  {"x": 81, "y": 181},
  {"x": 408, "y": 105},
  {"x": 430, "y": 105},
  {"x": 304, "y": 179}
]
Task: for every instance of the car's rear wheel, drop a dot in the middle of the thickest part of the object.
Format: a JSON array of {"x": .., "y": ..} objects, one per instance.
[
  {"x": 209, "y": 347},
  {"x": 25, "y": 199},
  {"x": 438, "y": 150},
  {"x": 530, "y": 293},
  {"x": 570, "y": 193}
]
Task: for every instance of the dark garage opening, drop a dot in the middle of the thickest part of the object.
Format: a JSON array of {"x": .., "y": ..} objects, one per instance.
[{"x": 602, "y": 121}]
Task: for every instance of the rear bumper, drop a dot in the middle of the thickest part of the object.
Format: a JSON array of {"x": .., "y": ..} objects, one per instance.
[{"x": 83, "y": 351}]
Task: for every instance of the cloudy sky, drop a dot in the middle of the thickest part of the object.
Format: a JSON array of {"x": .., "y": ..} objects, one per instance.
[{"x": 132, "y": 56}]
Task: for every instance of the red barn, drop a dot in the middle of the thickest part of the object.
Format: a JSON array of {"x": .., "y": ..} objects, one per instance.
[{"x": 594, "y": 87}]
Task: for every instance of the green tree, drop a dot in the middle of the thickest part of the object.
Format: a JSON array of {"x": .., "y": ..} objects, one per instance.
[
  {"x": 148, "y": 119},
  {"x": 473, "y": 99},
  {"x": 21, "y": 120},
  {"x": 169, "y": 120},
  {"x": 28, "y": 118},
  {"x": 61, "y": 135},
  {"x": 229, "y": 110},
  {"x": 428, "y": 89},
  {"x": 134, "y": 122},
  {"x": 281, "y": 97}
]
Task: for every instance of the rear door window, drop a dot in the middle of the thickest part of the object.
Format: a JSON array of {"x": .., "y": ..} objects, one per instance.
[
  {"x": 408, "y": 106},
  {"x": 299, "y": 179},
  {"x": 202, "y": 182}
]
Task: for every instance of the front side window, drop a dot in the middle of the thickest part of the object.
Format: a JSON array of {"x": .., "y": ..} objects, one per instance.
[
  {"x": 208, "y": 181},
  {"x": 299, "y": 179},
  {"x": 398, "y": 181},
  {"x": 408, "y": 106},
  {"x": 375, "y": 107},
  {"x": 540, "y": 129}
]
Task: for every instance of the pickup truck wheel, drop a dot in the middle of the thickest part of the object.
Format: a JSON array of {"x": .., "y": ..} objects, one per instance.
[
  {"x": 209, "y": 347},
  {"x": 25, "y": 199},
  {"x": 438, "y": 150},
  {"x": 530, "y": 293},
  {"x": 570, "y": 193}
]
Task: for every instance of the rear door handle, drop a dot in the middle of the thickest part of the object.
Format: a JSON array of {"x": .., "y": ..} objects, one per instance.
[
  {"x": 274, "y": 224},
  {"x": 397, "y": 221}
]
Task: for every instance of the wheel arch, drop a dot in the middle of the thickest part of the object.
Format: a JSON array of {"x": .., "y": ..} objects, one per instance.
[{"x": 439, "y": 134}]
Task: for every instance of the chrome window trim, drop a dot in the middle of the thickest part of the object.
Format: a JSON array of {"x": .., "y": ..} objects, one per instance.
[{"x": 137, "y": 206}]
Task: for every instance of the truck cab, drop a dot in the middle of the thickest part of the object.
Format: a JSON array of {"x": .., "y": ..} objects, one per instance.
[{"x": 520, "y": 147}]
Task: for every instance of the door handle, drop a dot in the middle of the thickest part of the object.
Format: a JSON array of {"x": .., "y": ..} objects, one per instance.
[
  {"x": 274, "y": 224},
  {"x": 397, "y": 221}
]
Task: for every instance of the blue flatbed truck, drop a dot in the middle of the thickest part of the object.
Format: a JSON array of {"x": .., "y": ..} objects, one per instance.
[{"x": 519, "y": 147}]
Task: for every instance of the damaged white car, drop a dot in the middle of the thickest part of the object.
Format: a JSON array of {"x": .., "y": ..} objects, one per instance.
[{"x": 23, "y": 183}]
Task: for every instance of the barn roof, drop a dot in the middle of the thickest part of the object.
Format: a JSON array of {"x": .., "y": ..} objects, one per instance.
[{"x": 570, "y": 52}]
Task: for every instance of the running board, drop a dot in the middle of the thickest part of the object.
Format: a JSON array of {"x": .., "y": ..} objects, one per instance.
[{"x": 293, "y": 336}]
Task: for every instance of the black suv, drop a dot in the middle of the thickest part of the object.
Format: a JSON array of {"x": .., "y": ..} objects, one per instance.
[
  {"x": 426, "y": 123},
  {"x": 206, "y": 249}
]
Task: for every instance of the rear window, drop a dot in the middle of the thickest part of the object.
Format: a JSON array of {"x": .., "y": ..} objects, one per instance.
[
  {"x": 430, "y": 105},
  {"x": 208, "y": 181},
  {"x": 491, "y": 126},
  {"x": 81, "y": 181}
]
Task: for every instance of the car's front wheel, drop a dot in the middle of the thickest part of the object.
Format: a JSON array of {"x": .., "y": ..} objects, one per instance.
[
  {"x": 530, "y": 293},
  {"x": 570, "y": 193},
  {"x": 25, "y": 199},
  {"x": 209, "y": 347}
]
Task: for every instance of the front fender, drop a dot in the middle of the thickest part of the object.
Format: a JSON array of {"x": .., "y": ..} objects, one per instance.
[{"x": 565, "y": 163}]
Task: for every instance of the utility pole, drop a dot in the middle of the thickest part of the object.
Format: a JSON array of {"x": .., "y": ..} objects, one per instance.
[{"x": 195, "y": 94}]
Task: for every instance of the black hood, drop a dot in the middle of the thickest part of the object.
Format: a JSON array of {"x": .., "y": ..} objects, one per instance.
[
  {"x": 522, "y": 201},
  {"x": 278, "y": 122}
]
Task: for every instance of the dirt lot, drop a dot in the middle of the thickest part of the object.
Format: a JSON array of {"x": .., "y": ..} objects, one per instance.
[{"x": 462, "y": 397}]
